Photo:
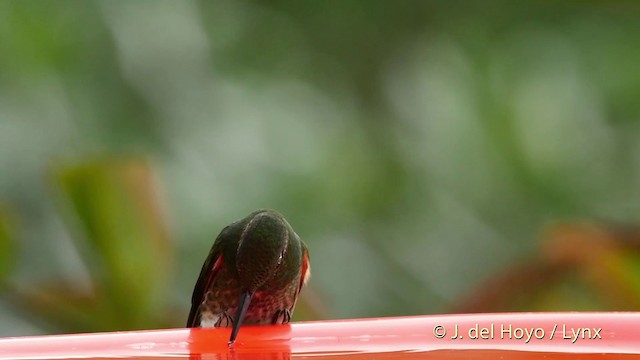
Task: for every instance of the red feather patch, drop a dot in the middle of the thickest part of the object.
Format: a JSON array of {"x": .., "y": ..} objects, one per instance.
[{"x": 305, "y": 272}]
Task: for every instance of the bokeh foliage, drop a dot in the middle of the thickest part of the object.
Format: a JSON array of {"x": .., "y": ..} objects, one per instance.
[
  {"x": 7, "y": 247},
  {"x": 113, "y": 213},
  {"x": 127, "y": 245},
  {"x": 420, "y": 148}
]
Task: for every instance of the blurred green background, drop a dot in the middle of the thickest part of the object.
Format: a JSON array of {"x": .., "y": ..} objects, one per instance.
[{"x": 432, "y": 154}]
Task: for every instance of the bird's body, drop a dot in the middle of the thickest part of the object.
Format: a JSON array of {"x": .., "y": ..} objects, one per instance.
[{"x": 258, "y": 263}]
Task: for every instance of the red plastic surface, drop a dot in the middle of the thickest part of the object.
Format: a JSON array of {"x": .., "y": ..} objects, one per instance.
[{"x": 522, "y": 336}]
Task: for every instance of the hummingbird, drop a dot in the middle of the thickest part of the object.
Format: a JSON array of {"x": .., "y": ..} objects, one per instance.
[{"x": 252, "y": 275}]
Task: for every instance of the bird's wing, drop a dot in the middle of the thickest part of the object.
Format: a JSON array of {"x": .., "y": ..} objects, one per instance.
[
  {"x": 305, "y": 272},
  {"x": 208, "y": 273}
]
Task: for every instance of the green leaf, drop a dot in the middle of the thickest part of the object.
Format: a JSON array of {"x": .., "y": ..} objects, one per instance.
[
  {"x": 7, "y": 249},
  {"x": 115, "y": 207}
]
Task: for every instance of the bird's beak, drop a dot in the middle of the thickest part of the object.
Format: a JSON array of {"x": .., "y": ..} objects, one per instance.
[{"x": 245, "y": 300}]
